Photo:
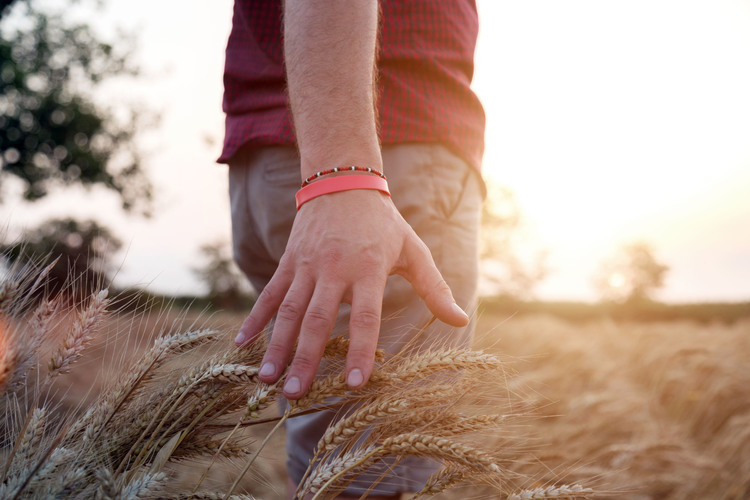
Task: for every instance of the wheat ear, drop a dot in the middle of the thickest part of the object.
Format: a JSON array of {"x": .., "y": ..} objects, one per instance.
[
  {"x": 419, "y": 367},
  {"x": 326, "y": 474},
  {"x": 260, "y": 398},
  {"x": 102, "y": 414},
  {"x": 338, "y": 347},
  {"x": 143, "y": 487},
  {"x": 81, "y": 334},
  {"x": 438, "y": 447},
  {"x": 205, "y": 495},
  {"x": 414, "y": 444},
  {"x": 349, "y": 427},
  {"x": 553, "y": 492},
  {"x": 441, "y": 480},
  {"x": 19, "y": 280},
  {"x": 29, "y": 441},
  {"x": 20, "y": 349},
  {"x": 385, "y": 410},
  {"x": 427, "y": 363}
]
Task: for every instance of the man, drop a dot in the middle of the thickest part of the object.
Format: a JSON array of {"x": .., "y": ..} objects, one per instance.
[{"x": 313, "y": 88}]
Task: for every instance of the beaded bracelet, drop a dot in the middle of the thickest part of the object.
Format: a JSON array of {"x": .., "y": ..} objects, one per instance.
[
  {"x": 353, "y": 168},
  {"x": 336, "y": 184}
]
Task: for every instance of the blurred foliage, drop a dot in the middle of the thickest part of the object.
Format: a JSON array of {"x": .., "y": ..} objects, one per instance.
[
  {"x": 52, "y": 133},
  {"x": 633, "y": 274},
  {"x": 227, "y": 287},
  {"x": 83, "y": 250},
  {"x": 510, "y": 273}
]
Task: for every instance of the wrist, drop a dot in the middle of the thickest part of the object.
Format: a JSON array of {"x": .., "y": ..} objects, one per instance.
[{"x": 324, "y": 158}]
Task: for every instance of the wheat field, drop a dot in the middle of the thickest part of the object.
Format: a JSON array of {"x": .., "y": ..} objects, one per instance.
[
  {"x": 543, "y": 409},
  {"x": 642, "y": 411}
]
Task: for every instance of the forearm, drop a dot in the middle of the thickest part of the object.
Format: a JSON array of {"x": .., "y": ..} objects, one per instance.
[{"x": 329, "y": 48}]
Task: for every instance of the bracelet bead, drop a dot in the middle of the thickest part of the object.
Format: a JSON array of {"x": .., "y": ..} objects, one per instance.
[{"x": 352, "y": 168}]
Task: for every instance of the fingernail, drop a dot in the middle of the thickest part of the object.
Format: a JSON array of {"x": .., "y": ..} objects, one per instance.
[
  {"x": 267, "y": 370},
  {"x": 457, "y": 309},
  {"x": 240, "y": 338},
  {"x": 355, "y": 378},
  {"x": 292, "y": 385}
]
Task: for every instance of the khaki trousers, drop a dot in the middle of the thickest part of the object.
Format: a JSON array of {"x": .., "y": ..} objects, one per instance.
[{"x": 438, "y": 194}]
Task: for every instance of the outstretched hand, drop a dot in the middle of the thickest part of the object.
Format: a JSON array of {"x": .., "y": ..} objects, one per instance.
[{"x": 342, "y": 248}]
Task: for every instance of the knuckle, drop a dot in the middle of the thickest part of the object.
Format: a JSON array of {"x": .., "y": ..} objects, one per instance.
[
  {"x": 306, "y": 363},
  {"x": 361, "y": 353},
  {"x": 365, "y": 320},
  {"x": 416, "y": 255},
  {"x": 370, "y": 258},
  {"x": 442, "y": 286},
  {"x": 372, "y": 270},
  {"x": 265, "y": 294},
  {"x": 253, "y": 322},
  {"x": 289, "y": 311},
  {"x": 275, "y": 351},
  {"x": 328, "y": 261},
  {"x": 317, "y": 319},
  {"x": 422, "y": 249},
  {"x": 333, "y": 256},
  {"x": 439, "y": 289}
]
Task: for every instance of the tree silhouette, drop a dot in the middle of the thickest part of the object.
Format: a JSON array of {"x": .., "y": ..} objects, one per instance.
[
  {"x": 83, "y": 251},
  {"x": 52, "y": 133},
  {"x": 227, "y": 288},
  {"x": 632, "y": 275}
]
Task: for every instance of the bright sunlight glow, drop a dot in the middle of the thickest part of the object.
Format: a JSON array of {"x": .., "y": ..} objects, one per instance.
[{"x": 612, "y": 122}]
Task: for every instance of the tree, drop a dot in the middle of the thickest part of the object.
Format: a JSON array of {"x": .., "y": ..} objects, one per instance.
[
  {"x": 227, "y": 287},
  {"x": 83, "y": 251},
  {"x": 510, "y": 274},
  {"x": 52, "y": 132},
  {"x": 632, "y": 275}
]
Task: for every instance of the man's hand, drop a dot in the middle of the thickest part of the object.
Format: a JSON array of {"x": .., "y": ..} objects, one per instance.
[{"x": 342, "y": 248}]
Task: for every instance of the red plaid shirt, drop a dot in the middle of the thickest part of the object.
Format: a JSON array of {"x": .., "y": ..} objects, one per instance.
[{"x": 425, "y": 66}]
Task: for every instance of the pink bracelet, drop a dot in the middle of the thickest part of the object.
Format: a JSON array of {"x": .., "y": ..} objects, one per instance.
[
  {"x": 336, "y": 184},
  {"x": 352, "y": 168}
]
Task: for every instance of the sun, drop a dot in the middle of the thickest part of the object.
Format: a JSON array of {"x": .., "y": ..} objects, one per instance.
[{"x": 616, "y": 280}]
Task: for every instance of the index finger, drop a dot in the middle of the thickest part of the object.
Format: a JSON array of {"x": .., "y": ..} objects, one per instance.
[{"x": 265, "y": 307}]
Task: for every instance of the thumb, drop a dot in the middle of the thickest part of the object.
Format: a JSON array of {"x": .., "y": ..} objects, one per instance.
[{"x": 420, "y": 270}]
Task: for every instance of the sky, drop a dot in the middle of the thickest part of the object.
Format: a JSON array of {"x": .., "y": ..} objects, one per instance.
[{"x": 612, "y": 121}]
